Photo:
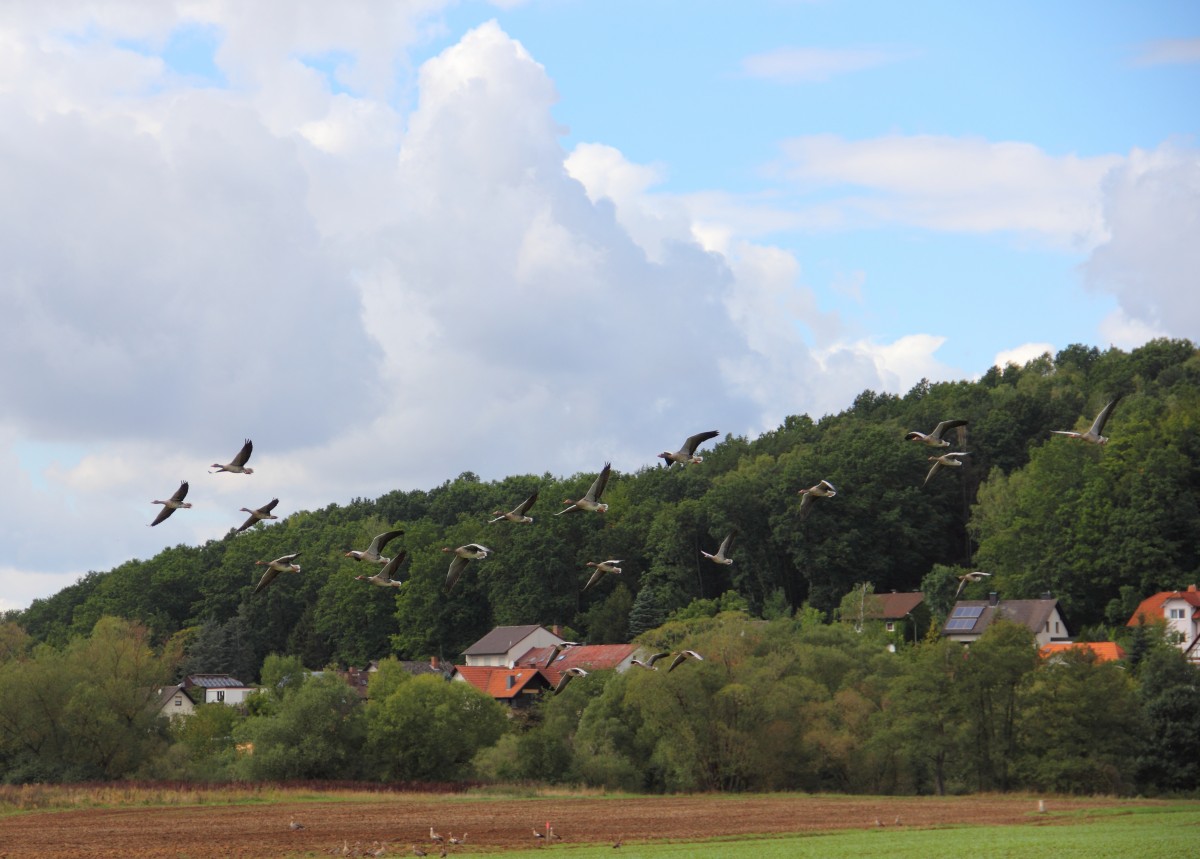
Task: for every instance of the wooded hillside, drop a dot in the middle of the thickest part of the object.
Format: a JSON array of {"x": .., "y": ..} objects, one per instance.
[{"x": 1098, "y": 526}]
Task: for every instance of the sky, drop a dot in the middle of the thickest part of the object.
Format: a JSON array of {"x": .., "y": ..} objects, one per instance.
[{"x": 394, "y": 242}]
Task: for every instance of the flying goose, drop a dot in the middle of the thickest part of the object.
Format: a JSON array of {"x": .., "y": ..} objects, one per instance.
[
  {"x": 517, "y": 514},
  {"x": 969, "y": 577},
  {"x": 384, "y": 577},
  {"x": 682, "y": 656},
  {"x": 258, "y": 515},
  {"x": 172, "y": 504},
  {"x": 934, "y": 439},
  {"x": 945, "y": 459},
  {"x": 722, "y": 555},
  {"x": 602, "y": 568},
  {"x": 687, "y": 453},
  {"x": 566, "y": 678},
  {"x": 238, "y": 465},
  {"x": 462, "y": 554},
  {"x": 590, "y": 501},
  {"x": 279, "y": 565},
  {"x": 650, "y": 660},
  {"x": 824, "y": 489},
  {"x": 1093, "y": 432},
  {"x": 371, "y": 553}
]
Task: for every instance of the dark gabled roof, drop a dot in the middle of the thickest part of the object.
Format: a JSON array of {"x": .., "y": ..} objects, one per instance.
[
  {"x": 894, "y": 606},
  {"x": 213, "y": 681},
  {"x": 501, "y": 639},
  {"x": 1031, "y": 614},
  {"x": 419, "y": 666}
]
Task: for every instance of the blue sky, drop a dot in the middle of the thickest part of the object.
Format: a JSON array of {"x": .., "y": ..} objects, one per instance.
[{"x": 394, "y": 242}]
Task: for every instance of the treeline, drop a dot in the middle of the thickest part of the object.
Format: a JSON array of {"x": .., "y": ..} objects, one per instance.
[
  {"x": 790, "y": 704},
  {"x": 1100, "y": 528}
]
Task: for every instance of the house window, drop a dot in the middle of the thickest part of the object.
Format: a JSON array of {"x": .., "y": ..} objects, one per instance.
[
  {"x": 1176, "y": 614},
  {"x": 1057, "y": 628},
  {"x": 221, "y": 696},
  {"x": 890, "y": 626},
  {"x": 178, "y": 702}
]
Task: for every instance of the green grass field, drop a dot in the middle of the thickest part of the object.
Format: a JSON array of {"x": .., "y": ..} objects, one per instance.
[{"x": 1126, "y": 834}]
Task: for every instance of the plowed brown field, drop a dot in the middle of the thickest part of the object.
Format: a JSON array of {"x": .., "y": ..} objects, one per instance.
[{"x": 492, "y": 825}]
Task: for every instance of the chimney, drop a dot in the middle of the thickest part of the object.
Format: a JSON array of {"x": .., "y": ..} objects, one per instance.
[
  {"x": 993, "y": 599},
  {"x": 433, "y": 663},
  {"x": 1191, "y": 589},
  {"x": 557, "y": 630}
]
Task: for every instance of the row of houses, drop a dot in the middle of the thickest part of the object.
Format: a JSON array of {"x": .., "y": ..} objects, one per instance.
[{"x": 517, "y": 664}]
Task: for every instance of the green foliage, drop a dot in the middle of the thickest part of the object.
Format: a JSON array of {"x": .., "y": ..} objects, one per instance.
[
  {"x": 428, "y": 729},
  {"x": 316, "y": 731}
]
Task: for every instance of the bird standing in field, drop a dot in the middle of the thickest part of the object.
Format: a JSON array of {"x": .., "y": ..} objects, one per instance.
[
  {"x": 687, "y": 453},
  {"x": 591, "y": 500},
  {"x": 824, "y": 489},
  {"x": 463, "y": 554},
  {"x": 683, "y": 656},
  {"x": 294, "y": 826},
  {"x": 602, "y": 568},
  {"x": 969, "y": 577},
  {"x": 1093, "y": 433},
  {"x": 433, "y": 836},
  {"x": 279, "y": 565},
  {"x": 722, "y": 555},
  {"x": 258, "y": 515},
  {"x": 384, "y": 577},
  {"x": 517, "y": 514},
  {"x": 650, "y": 660},
  {"x": 934, "y": 439},
  {"x": 238, "y": 464},
  {"x": 372, "y": 552},
  {"x": 948, "y": 459},
  {"x": 172, "y": 504}
]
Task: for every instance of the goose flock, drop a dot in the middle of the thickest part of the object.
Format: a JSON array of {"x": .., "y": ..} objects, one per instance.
[{"x": 590, "y": 502}]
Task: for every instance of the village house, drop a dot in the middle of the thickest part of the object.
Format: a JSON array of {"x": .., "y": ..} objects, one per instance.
[
  {"x": 1180, "y": 612},
  {"x": 173, "y": 702},
  {"x": 502, "y": 646},
  {"x": 904, "y": 614},
  {"x": 217, "y": 689},
  {"x": 969, "y": 618}
]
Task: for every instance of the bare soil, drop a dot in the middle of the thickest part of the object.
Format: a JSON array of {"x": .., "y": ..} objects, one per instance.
[{"x": 259, "y": 831}]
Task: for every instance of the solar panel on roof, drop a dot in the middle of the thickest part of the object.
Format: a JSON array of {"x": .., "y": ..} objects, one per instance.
[
  {"x": 960, "y": 623},
  {"x": 967, "y": 611}
]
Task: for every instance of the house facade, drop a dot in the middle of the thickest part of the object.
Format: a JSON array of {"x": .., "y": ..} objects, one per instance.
[
  {"x": 1180, "y": 611},
  {"x": 970, "y": 618},
  {"x": 501, "y": 647},
  {"x": 905, "y": 615},
  {"x": 173, "y": 702},
  {"x": 217, "y": 689}
]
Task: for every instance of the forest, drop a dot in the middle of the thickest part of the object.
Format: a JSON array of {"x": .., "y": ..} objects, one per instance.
[{"x": 1098, "y": 526}]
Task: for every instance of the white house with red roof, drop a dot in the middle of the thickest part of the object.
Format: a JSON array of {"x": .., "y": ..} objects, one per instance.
[{"x": 1180, "y": 611}]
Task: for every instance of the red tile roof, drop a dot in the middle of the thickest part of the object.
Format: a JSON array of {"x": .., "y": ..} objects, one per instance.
[
  {"x": 494, "y": 680},
  {"x": 1106, "y": 651},
  {"x": 1151, "y": 608},
  {"x": 894, "y": 606},
  {"x": 590, "y": 657}
]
